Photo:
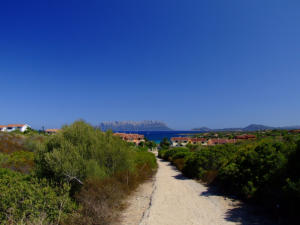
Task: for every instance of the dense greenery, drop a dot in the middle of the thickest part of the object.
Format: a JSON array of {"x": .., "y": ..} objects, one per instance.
[
  {"x": 25, "y": 199},
  {"x": 265, "y": 171},
  {"x": 77, "y": 176},
  {"x": 165, "y": 144}
]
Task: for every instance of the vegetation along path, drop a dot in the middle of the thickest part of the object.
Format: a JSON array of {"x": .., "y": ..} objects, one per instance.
[{"x": 177, "y": 200}]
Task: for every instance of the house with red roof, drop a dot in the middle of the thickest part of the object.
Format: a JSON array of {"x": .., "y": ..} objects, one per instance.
[
  {"x": 13, "y": 127},
  {"x": 51, "y": 131},
  {"x": 295, "y": 131},
  {"x": 246, "y": 137},
  {"x": 133, "y": 138},
  {"x": 182, "y": 141},
  {"x": 219, "y": 141}
]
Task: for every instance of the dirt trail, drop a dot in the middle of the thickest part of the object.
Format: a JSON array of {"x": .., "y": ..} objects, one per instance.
[{"x": 176, "y": 200}]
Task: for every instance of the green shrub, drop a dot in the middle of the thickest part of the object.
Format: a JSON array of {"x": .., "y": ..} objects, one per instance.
[
  {"x": 193, "y": 166},
  {"x": 101, "y": 168},
  {"x": 165, "y": 144},
  {"x": 253, "y": 170},
  {"x": 168, "y": 154},
  {"x": 180, "y": 155},
  {"x": 25, "y": 198},
  {"x": 97, "y": 169},
  {"x": 21, "y": 161},
  {"x": 80, "y": 151},
  {"x": 265, "y": 171},
  {"x": 161, "y": 153},
  {"x": 145, "y": 158},
  {"x": 11, "y": 142}
]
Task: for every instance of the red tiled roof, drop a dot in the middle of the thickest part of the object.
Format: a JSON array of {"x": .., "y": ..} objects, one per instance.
[
  {"x": 198, "y": 139},
  {"x": 52, "y": 130},
  {"x": 12, "y": 125},
  {"x": 245, "y": 136},
  {"x": 15, "y": 125},
  {"x": 215, "y": 141},
  {"x": 188, "y": 139},
  {"x": 129, "y": 136},
  {"x": 180, "y": 139},
  {"x": 296, "y": 131}
]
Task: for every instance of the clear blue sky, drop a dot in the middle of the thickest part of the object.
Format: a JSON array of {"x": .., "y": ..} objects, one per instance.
[{"x": 215, "y": 63}]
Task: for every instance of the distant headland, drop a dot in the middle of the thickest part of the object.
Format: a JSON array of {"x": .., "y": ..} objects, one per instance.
[
  {"x": 251, "y": 127},
  {"x": 146, "y": 125}
]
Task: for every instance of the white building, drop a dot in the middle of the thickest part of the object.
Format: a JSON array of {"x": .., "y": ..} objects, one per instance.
[{"x": 13, "y": 127}]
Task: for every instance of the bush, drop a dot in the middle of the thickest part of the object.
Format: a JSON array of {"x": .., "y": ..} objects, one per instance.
[
  {"x": 168, "y": 154},
  {"x": 101, "y": 167},
  {"x": 265, "y": 171},
  {"x": 100, "y": 201},
  {"x": 180, "y": 155},
  {"x": 11, "y": 142},
  {"x": 25, "y": 198},
  {"x": 165, "y": 143},
  {"x": 79, "y": 164},
  {"x": 20, "y": 161},
  {"x": 161, "y": 153},
  {"x": 80, "y": 151}
]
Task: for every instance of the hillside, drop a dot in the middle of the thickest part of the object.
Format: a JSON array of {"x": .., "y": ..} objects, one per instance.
[{"x": 251, "y": 127}]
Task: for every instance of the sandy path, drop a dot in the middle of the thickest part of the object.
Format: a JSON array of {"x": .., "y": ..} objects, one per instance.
[
  {"x": 138, "y": 203},
  {"x": 176, "y": 200}
]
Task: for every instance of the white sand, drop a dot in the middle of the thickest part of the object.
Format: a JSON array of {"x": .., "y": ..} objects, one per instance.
[
  {"x": 173, "y": 199},
  {"x": 138, "y": 203}
]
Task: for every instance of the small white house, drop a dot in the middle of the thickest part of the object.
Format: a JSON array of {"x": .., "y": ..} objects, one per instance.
[{"x": 13, "y": 127}]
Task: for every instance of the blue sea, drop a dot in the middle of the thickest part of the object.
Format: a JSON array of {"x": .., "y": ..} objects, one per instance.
[{"x": 157, "y": 136}]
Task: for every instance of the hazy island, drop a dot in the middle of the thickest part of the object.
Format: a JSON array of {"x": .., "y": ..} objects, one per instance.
[{"x": 146, "y": 125}]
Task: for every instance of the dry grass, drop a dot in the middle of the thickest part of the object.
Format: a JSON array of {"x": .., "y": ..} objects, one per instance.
[
  {"x": 179, "y": 163},
  {"x": 102, "y": 200},
  {"x": 210, "y": 176}
]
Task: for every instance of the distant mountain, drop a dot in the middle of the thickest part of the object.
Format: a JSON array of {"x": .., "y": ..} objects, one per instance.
[
  {"x": 290, "y": 127},
  {"x": 257, "y": 127},
  {"x": 147, "y": 125},
  {"x": 251, "y": 127},
  {"x": 203, "y": 129},
  {"x": 206, "y": 129}
]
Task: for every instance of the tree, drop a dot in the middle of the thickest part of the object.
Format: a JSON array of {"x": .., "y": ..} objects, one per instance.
[
  {"x": 165, "y": 144},
  {"x": 151, "y": 145}
]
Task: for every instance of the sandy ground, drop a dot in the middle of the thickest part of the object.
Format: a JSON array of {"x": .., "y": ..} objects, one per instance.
[
  {"x": 138, "y": 203},
  {"x": 172, "y": 199}
]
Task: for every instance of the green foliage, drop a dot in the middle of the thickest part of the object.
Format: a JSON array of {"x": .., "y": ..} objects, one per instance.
[
  {"x": 151, "y": 144},
  {"x": 161, "y": 153},
  {"x": 168, "y": 154},
  {"x": 21, "y": 161},
  {"x": 96, "y": 169},
  {"x": 253, "y": 169},
  {"x": 265, "y": 171},
  {"x": 143, "y": 158},
  {"x": 10, "y": 142},
  {"x": 80, "y": 151},
  {"x": 25, "y": 198},
  {"x": 165, "y": 144},
  {"x": 3, "y": 158}
]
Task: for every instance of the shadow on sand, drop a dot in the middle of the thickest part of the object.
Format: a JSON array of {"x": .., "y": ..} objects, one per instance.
[
  {"x": 243, "y": 213},
  {"x": 181, "y": 177},
  {"x": 240, "y": 213}
]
